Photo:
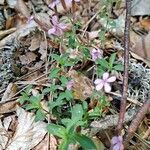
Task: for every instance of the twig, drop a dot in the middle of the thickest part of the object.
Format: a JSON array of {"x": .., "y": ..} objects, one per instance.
[
  {"x": 137, "y": 120},
  {"x": 86, "y": 25},
  {"x": 110, "y": 121},
  {"x": 126, "y": 65},
  {"x": 134, "y": 101}
]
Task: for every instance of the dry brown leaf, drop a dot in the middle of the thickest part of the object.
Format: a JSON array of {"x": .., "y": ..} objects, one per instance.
[
  {"x": 6, "y": 32},
  {"x": 43, "y": 144},
  {"x": 22, "y": 8},
  {"x": 10, "y": 22},
  {"x": 36, "y": 66},
  {"x": 35, "y": 42},
  {"x": 82, "y": 86},
  {"x": 93, "y": 34},
  {"x": 43, "y": 20},
  {"x": 145, "y": 24},
  {"x": 43, "y": 50},
  {"x": 64, "y": 6},
  {"x": 140, "y": 45},
  {"x": 8, "y": 107},
  {"x": 4, "y": 135},
  {"x": 27, "y": 58},
  {"x": 9, "y": 92},
  {"x": 28, "y": 132},
  {"x": 22, "y": 31}
]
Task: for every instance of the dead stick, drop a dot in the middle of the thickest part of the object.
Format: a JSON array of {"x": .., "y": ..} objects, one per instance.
[
  {"x": 137, "y": 120},
  {"x": 126, "y": 65}
]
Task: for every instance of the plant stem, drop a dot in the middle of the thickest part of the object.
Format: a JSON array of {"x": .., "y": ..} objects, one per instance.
[
  {"x": 126, "y": 65},
  {"x": 137, "y": 120}
]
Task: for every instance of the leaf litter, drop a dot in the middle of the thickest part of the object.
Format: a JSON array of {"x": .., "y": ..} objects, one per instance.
[{"x": 61, "y": 48}]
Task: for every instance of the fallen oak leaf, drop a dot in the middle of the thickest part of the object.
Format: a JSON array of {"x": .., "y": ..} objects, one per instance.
[
  {"x": 28, "y": 132},
  {"x": 140, "y": 45},
  {"x": 9, "y": 92},
  {"x": 82, "y": 86},
  {"x": 7, "y": 107},
  {"x": 27, "y": 58}
]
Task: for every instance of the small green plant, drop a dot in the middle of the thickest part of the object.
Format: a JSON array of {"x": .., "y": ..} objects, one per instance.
[
  {"x": 102, "y": 103},
  {"x": 108, "y": 64},
  {"x": 67, "y": 132},
  {"x": 33, "y": 103}
]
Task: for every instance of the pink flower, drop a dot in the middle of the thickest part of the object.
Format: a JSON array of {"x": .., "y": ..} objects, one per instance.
[
  {"x": 105, "y": 82},
  {"x": 117, "y": 143},
  {"x": 96, "y": 53},
  {"x": 56, "y": 2},
  {"x": 70, "y": 85},
  {"x": 57, "y": 28}
]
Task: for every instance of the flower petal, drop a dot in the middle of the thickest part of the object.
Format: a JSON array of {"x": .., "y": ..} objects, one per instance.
[
  {"x": 68, "y": 2},
  {"x": 93, "y": 50},
  {"x": 52, "y": 31},
  {"x": 70, "y": 85},
  {"x": 105, "y": 75},
  {"x": 53, "y": 4},
  {"x": 55, "y": 20},
  {"x": 116, "y": 146},
  {"x": 107, "y": 87},
  {"x": 99, "y": 86},
  {"x": 62, "y": 26},
  {"x": 114, "y": 140},
  {"x": 120, "y": 138},
  {"x": 59, "y": 32},
  {"x": 98, "y": 81},
  {"x": 111, "y": 79}
]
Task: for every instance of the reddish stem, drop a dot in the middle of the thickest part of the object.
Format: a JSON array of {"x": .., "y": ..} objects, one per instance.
[{"x": 126, "y": 65}]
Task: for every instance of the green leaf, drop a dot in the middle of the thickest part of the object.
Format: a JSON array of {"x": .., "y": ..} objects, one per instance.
[
  {"x": 69, "y": 95},
  {"x": 112, "y": 59},
  {"x": 103, "y": 63},
  {"x": 61, "y": 96},
  {"x": 102, "y": 35},
  {"x": 68, "y": 63},
  {"x": 72, "y": 41},
  {"x": 40, "y": 115},
  {"x": 77, "y": 112},
  {"x": 54, "y": 87},
  {"x": 23, "y": 98},
  {"x": 55, "y": 57},
  {"x": 85, "y": 52},
  {"x": 100, "y": 71},
  {"x": 32, "y": 106},
  {"x": 57, "y": 130},
  {"x": 54, "y": 73},
  {"x": 112, "y": 24},
  {"x": 56, "y": 103},
  {"x": 85, "y": 142},
  {"x": 118, "y": 67},
  {"x": 28, "y": 89},
  {"x": 45, "y": 91},
  {"x": 64, "y": 145},
  {"x": 63, "y": 80},
  {"x": 35, "y": 99},
  {"x": 65, "y": 121}
]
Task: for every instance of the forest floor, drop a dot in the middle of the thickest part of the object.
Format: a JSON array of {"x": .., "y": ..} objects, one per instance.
[{"x": 62, "y": 75}]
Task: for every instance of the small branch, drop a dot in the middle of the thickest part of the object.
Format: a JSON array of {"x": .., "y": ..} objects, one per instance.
[
  {"x": 137, "y": 120},
  {"x": 126, "y": 65}
]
